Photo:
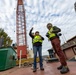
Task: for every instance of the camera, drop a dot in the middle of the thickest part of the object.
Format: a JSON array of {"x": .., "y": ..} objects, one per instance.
[{"x": 59, "y": 34}]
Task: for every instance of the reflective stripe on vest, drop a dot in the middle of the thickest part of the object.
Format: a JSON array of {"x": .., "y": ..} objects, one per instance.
[
  {"x": 37, "y": 39},
  {"x": 51, "y": 34}
]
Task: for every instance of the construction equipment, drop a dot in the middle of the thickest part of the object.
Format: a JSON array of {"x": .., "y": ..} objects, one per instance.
[
  {"x": 21, "y": 30},
  {"x": 21, "y": 35},
  {"x": 26, "y": 62},
  {"x": 52, "y": 56}
]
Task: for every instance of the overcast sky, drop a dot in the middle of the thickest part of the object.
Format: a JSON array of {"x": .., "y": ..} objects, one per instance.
[{"x": 60, "y": 13}]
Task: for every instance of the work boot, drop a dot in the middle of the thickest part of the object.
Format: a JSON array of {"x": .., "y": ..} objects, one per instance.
[
  {"x": 64, "y": 70},
  {"x": 34, "y": 70},
  {"x": 42, "y": 69},
  {"x": 60, "y": 67}
]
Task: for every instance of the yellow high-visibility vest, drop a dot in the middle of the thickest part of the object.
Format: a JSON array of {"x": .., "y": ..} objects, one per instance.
[
  {"x": 37, "y": 39},
  {"x": 51, "y": 34}
]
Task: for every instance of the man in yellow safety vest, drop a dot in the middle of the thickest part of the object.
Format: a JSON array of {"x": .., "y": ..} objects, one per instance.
[
  {"x": 53, "y": 36},
  {"x": 37, "y": 40}
]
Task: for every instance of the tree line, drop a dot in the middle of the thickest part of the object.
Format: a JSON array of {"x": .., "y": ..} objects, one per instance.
[{"x": 6, "y": 40}]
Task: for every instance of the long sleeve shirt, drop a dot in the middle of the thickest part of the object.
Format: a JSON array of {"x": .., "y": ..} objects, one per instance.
[
  {"x": 37, "y": 43},
  {"x": 56, "y": 30}
]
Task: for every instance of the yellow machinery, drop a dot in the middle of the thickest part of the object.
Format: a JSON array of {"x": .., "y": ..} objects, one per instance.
[{"x": 26, "y": 62}]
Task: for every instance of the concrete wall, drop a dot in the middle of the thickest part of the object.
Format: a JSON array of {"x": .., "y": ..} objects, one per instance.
[
  {"x": 69, "y": 53},
  {"x": 69, "y": 48}
]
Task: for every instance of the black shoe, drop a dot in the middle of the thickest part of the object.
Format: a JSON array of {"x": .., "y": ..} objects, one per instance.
[
  {"x": 60, "y": 67},
  {"x": 64, "y": 70},
  {"x": 34, "y": 70},
  {"x": 42, "y": 69}
]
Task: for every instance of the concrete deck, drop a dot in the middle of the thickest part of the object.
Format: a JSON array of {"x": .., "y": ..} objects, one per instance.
[{"x": 50, "y": 69}]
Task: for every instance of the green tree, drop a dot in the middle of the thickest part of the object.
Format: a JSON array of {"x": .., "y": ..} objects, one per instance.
[{"x": 6, "y": 39}]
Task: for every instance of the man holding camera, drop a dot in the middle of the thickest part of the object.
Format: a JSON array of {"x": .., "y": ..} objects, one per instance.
[{"x": 53, "y": 36}]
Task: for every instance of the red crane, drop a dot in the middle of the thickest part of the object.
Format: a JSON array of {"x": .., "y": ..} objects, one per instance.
[{"x": 21, "y": 29}]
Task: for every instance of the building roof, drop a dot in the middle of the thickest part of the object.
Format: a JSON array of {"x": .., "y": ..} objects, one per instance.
[
  {"x": 71, "y": 38},
  {"x": 70, "y": 43}
]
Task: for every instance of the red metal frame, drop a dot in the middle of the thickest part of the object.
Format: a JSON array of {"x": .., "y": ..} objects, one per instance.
[{"x": 21, "y": 29}]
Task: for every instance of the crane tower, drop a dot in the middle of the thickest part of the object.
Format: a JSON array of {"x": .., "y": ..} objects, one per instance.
[{"x": 21, "y": 29}]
